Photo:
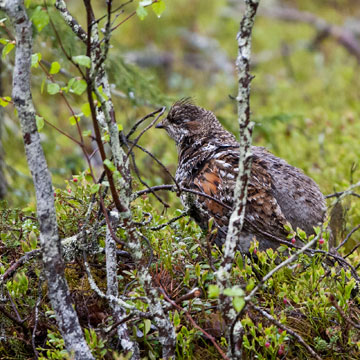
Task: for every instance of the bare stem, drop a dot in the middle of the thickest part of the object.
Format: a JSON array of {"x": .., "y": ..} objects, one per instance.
[{"x": 240, "y": 194}]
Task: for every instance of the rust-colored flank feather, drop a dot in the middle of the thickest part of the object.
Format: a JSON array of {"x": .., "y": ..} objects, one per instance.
[{"x": 278, "y": 193}]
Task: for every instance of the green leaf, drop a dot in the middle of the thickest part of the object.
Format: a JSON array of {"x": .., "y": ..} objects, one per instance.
[
  {"x": 86, "y": 133},
  {"x": 4, "y": 101},
  {"x": 7, "y": 48},
  {"x": 106, "y": 137},
  {"x": 27, "y": 3},
  {"x": 147, "y": 326},
  {"x": 42, "y": 85},
  {"x": 213, "y": 291},
  {"x": 94, "y": 188},
  {"x": 120, "y": 127},
  {"x": 101, "y": 91},
  {"x": 82, "y": 60},
  {"x": 88, "y": 177},
  {"x": 4, "y": 41},
  {"x": 141, "y": 12},
  {"x": 238, "y": 303},
  {"x": 33, "y": 240},
  {"x": 187, "y": 277},
  {"x": 55, "y": 67},
  {"x": 39, "y": 122},
  {"x": 282, "y": 248},
  {"x": 53, "y": 88},
  {"x": 250, "y": 285},
  {"x": 152, "y": 356},
  {"x": 301, "y": 233},
  {"x": 71, "y": 82},
  {"x": 74, "y": 119},
  {"x": 158, "y": 7},
  {"x": 210, "y": 223},
  {"x": 145, "y": 2},
  {"x": 25, "y": 247},
  {"x": 109, "y": 165},
  {"x": 35, "y": 58},
  {"x": 86, "y": 109},
  {"x": 117, "y": 174},
  {"x": 78, "y": 86},
  {"x": 234, "y": 291},
  {"x": 197, "y": 270},
  {"x": 176, "y": 318},
  {"x": 40, "y": 18}
]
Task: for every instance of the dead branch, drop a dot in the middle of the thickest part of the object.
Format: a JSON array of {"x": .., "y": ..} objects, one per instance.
[{"x": 342, "y": 313}]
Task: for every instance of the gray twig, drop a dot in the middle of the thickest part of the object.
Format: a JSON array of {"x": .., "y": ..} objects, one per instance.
[
  {"x": 49, "y": 238},
  {"x": 348, "y": 236},
  {"x": 240, "y": 193}
]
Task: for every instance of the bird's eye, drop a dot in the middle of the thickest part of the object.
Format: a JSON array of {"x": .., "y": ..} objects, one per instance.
[{"x": 177, "y": 120}]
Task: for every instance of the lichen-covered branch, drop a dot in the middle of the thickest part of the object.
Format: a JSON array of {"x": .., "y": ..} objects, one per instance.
[
  {"x": 70, "y": 20},
  {"x": 237, "y": 217},
  {"x": 50, "y": 242},
  {"x": 113, "y": 289},
  {"x": 245, "y": 125}
]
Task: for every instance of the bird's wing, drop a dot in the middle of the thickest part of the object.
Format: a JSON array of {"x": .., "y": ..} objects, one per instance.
[
  {"x": 263, "y": 211},
  {"x": 217, "y": 178}
]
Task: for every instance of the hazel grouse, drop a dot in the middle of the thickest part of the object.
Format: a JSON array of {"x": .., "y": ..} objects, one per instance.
[{"x": 208, "y": 157}]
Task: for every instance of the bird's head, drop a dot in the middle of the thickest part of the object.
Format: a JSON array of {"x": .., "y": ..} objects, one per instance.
[{"x": 186, "y": 122}]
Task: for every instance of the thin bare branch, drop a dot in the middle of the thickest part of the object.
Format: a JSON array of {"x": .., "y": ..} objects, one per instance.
[
  {"x": 342, "y": 313},
  {"x": 161, "y": 112},
  {"x": 159, "y": 227},
  {"x": 288, "y": 330},
  {"x": 348, "y": 236},
  {"x": 195, "y": 325}
]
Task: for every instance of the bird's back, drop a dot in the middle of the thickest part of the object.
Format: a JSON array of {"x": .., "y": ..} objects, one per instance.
[{"x": 298, "y": 196}]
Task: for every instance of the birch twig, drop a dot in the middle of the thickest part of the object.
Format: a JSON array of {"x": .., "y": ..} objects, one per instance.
[
  {"x": 67, "y": 319},
  {"x": 245, "y": 126}
]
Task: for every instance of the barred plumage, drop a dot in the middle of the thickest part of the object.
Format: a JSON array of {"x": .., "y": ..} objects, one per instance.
[{"x": 208, "y": 155}]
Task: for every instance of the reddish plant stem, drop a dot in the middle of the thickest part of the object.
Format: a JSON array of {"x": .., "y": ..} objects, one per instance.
[
  {"x": 109, "y": 175},
  {"x": 195, "y": 325}
]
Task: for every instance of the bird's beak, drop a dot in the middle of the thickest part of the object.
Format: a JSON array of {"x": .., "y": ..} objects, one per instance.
[{"x": 159, "y": 126}]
